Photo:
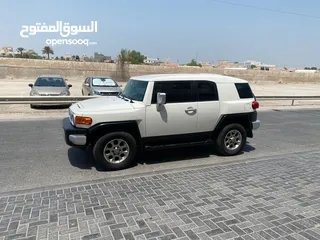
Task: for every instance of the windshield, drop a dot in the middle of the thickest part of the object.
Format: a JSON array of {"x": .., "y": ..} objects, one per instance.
[
  {"x": 103, "y": 82},
  {"x": 135, "y": 90},
  {"x": 50, "y": 82}
]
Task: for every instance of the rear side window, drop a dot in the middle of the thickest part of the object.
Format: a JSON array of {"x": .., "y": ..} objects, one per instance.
[
  {"x": 207, "y": 91},
  {"x": 244, "y": 90}
]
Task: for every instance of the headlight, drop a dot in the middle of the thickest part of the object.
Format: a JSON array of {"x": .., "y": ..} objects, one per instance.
[
  {"x": 71, "y": 117},
  {"x": 34, "y": 93},
  {"x": 96, "y": 92},
  {"x": 64, "y": 94}
]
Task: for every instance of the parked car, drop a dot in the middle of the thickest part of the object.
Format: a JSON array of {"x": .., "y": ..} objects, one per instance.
[
  {"x": 49, "y": 85},
  {"x": 165, "y": 111},
  {"x": 100, "y": 85}
]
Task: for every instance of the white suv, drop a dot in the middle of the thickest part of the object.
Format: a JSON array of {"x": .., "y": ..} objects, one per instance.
[{"x": 162, "y": 111}]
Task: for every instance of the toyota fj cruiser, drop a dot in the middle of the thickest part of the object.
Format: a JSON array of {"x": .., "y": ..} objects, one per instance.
[{"x": 164, "y": 111}]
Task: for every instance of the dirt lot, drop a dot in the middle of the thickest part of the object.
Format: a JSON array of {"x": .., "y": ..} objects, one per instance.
[{"x": 13, "y": 87}]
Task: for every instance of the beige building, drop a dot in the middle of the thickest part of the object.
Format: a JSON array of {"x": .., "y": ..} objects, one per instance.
[
  {"x": 68, "y": 55},
  {"x": 6, "y": 50}
]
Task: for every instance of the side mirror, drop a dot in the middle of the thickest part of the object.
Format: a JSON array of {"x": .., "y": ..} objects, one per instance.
[
  {"x": 161, "y": 99},
  {"x": 69, "y": 85},
  {"x": 86, "y": 84},
  {"x": 31, "y": 85},
  {"x": 66, "y": 79}
]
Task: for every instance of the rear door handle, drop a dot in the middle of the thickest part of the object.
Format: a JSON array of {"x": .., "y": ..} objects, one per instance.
[{"x": 190, "y": 109}]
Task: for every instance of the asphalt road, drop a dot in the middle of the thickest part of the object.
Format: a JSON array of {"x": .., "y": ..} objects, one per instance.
[{"x": 33, "y": 153}]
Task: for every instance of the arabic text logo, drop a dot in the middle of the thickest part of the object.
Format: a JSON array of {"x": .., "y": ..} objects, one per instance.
[{"x": 63, "y": 28}]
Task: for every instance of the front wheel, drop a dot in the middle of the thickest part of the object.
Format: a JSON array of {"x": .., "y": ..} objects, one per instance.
[
  {"x": 115, "y": 151},
  {"x": 231, "y": 140}
]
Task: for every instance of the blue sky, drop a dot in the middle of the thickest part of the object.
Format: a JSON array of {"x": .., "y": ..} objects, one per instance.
[{"x": 176, "y": 29}]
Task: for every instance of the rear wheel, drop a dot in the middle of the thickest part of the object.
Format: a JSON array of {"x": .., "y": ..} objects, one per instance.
[
  {"x": 115, "y": 151},
  {"x": 231, "y": 140}
]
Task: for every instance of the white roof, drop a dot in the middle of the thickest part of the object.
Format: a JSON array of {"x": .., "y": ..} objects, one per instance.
[{"x": 189, "y": 76}]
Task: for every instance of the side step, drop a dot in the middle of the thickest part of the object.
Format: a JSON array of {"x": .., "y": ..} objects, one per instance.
[{"x": 178, "y": 145}]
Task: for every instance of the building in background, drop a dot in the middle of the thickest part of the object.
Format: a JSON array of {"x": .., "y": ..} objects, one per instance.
[
  {"x": 169, "y": 62},
  {"x": 84, "y": 58},
  {"x": 151, "y": 61},
  {"x": 99, "y": 57},
  {"x": 223, "y": 64},
  {"x": 5, "y": 51},
  {"x": 306, "y": 71},
  {"x": 68, "y": 56},
  {"x": 258, "y": 65},
  {"x": 206, "y": 64}
]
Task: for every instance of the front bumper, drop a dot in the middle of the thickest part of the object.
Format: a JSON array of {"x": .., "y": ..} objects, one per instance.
[
  {"x": 75, "y": 137},
  {"x": 255, "y": 124}
]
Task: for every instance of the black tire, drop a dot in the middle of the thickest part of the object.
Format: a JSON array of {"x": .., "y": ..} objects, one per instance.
[
  {"x": 220, "y": 141},
  {"x": 98, "y": 150}
]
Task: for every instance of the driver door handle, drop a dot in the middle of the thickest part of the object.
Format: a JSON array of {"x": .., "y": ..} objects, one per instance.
[{"x": 190, "y": 109}]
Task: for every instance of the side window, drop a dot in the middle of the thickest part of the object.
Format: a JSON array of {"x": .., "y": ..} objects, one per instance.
[
  {"x": 157, "y": 87},
  {"x": 176, "y": 91},
  {"x": 244, "y": 90},
  {"x": 207, "y": 91}
]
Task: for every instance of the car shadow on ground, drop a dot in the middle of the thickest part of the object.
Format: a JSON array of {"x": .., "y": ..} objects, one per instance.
[
  {"x": 181, "y": 154},
  {"x": 83, "y": 158}
]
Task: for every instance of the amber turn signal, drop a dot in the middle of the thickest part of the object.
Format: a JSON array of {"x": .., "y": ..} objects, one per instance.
[{"x": 83, "y": 120}]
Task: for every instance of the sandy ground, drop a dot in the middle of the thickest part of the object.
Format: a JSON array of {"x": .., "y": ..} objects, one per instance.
[{"x": 14, "y": 87}]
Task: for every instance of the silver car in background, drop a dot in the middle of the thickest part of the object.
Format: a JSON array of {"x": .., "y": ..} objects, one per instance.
[
  {"x": 100, "y": 85},
  {"x": 49, "y": 85}
]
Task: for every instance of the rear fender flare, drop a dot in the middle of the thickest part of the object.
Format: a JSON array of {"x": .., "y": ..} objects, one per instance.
[{"x": 241, "y": 118}]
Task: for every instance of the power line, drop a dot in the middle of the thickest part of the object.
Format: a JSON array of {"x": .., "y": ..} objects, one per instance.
[{"x": 265, "y": 9}]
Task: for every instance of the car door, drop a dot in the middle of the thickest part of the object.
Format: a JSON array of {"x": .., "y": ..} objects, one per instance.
[
  {"x": 208, "y": 105},
  {"x": 178, "y": 116},
  {"x": 85, "y": 87}
]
